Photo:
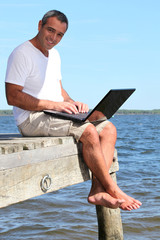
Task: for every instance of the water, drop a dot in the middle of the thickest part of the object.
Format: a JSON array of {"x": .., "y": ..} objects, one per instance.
[{"x": 66, "y": 215}]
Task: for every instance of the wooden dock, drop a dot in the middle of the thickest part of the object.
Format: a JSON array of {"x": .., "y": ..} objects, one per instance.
[{"x": 30, "y": 167}]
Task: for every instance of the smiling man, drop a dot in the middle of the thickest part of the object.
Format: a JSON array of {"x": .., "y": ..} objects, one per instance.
[
  {"x": 33, "y": 84},
  {"x": 50, "y": 34}
]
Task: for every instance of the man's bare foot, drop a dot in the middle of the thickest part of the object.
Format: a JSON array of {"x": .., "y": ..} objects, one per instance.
[
  {"x": 112, "y": 197},
  {"x": 129, "y": 204},
  {"x": 98, "y": 196},
  {"x": 104, "y": 199}
]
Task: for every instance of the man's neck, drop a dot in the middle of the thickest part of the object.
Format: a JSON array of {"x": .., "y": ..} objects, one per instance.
[{"x": 37, "y": 45}]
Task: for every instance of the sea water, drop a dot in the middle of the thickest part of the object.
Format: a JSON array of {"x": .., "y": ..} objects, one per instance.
[{"x": 66, "y": 214}]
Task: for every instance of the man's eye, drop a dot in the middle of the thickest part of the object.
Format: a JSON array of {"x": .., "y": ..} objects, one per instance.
[{"x": 51, "y": 30}]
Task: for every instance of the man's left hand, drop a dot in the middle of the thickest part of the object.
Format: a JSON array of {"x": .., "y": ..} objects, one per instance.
[{"x": 82, "y": 107}]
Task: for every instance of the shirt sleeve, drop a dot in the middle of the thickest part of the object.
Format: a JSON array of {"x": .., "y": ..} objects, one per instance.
[{"x": 16, "y": 68}]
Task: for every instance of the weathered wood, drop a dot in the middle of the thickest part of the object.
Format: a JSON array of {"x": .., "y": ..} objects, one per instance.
[
  {"x": 24, "y": 162},
  {"x": 24, "y": 182},
  {"x": 21, "y": 170}
]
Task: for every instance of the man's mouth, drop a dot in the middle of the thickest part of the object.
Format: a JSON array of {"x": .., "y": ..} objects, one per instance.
[{"x": 51, "y": 42}]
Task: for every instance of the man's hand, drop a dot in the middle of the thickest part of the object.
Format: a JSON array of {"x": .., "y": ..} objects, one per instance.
[
  {"x": 67, "y": 107},
  {"x": 72, "y": 107},
  {"x": 82, "y": 107}
]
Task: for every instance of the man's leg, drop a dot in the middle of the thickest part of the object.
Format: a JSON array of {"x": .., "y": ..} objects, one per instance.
[
  {"x": 98, "y": 153},
  {"x": 108, "y": 139}
]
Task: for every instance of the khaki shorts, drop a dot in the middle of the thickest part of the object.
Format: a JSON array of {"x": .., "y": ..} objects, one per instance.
[{"x": 39, "y": 124}]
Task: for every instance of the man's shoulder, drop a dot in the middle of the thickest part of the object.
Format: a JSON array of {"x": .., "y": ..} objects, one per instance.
[
  {"x": 22, "y": 46},
  {"x": 25, "y": 51},
  {"x": 54, "y": 53},
  {"x": 20, "y": 49}
]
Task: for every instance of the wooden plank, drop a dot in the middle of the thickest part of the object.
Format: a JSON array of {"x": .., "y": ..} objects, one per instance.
[
  {"x": 11, "y": 143},
  {"x": 24, "y": 182},
  {"x": 17, "y": 159}
]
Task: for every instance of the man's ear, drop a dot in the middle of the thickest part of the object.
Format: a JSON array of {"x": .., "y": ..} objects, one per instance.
[{"x": 39, "y": 25}]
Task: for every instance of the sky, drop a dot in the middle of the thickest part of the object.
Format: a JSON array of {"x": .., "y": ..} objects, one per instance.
[{"x": 110, "y": 44}]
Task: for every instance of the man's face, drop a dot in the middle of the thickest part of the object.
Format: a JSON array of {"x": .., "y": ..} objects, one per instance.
[{"x": 51, "y": 33}]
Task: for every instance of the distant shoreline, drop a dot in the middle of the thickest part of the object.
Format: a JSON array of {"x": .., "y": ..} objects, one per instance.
[
  {"x": 6, "y": 113},
  {"x": 136, "y": 112},
  {"x": 119, "y": 112}
]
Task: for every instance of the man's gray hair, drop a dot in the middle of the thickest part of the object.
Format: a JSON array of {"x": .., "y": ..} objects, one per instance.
[{"x": 54, "y": 13}]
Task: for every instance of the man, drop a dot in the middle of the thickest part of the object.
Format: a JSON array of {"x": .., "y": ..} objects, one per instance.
[{"x": 33, "y": 84}]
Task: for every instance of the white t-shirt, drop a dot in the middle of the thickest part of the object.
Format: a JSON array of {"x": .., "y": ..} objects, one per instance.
[{"x": 38, "y": 75}]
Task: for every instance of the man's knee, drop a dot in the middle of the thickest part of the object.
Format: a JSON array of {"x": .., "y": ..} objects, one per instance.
[
  {"x": 90, "y": 135},
  {"x": 109, "y": 130},
  {"x": 112, "y": 129}
]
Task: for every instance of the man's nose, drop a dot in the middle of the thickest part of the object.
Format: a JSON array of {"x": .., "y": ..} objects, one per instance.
[{"x": 54, "y": 37}]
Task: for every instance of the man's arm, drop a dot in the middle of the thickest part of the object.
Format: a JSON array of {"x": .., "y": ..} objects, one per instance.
[
  {"x": 16, "y": 97},
  {"x": 65, "y": 95}
]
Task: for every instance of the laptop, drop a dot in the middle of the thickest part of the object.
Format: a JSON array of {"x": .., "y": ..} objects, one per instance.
[{"x": 107, "y": 107}]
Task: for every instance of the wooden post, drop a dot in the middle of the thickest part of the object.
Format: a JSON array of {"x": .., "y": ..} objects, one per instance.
[{"x": 109, "y": 222}]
